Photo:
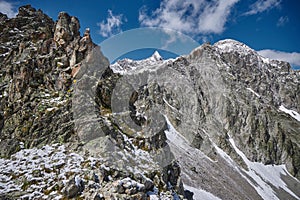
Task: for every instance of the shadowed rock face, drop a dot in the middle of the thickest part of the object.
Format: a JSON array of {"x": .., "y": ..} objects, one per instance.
[{"x": 140, "y": 128}]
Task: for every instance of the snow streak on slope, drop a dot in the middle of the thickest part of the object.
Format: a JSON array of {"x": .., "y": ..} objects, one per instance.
[
  {"x": 200, "y": 194},
  {"x": 253, "y": 92},
  {"x": 292, "y": 113},
  {"x": 182, "y": 144},
  {"x": 176, "y": 140},
  {"x": 264, "y": 175}
]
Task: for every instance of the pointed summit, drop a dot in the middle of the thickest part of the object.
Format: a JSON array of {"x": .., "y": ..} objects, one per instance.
[{"x": 156, "y": 56}]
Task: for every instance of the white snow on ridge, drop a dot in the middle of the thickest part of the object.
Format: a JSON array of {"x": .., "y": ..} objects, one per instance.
[
  {"x": 292, "y": 113},
  {"x": 200, "y": 194},
  {"x": 229, "y": 45},
  {"x": 126, "y": 65}
]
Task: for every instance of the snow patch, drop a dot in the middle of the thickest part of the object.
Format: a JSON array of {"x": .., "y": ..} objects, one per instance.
[
  {"x": 229, "y": 45},
  {"x": 51, "y": 109},
  {"x": 263, "y": 175},
  {"x": 153, "y": 194},
  {"x": 265, "y": 60},
  {"x": 200, "y": 194},
  {"x": 52, "y": 163},
  {"x": 77, "y": 181},
  {"x": 256, "y": 94},
  {"x": 4, "y": 54},
  {"x": 153, "y": 197},
  {"x": 176, "y": 138},
  {"x": 292, "y": 113}
]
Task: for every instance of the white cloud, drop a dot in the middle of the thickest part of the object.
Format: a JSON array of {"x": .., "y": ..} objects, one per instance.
[
  {"x": 293, "y": 58},
  {"x": 112, "y": 25},
  {"x": 190, "y": 16},
  {"x": 8, "y": 9},
  {"x": 282, "y": 21},
  {"x": 262, "y": 5}
]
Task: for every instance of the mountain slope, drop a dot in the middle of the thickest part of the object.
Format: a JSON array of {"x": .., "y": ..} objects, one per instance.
[
  {"x": 219, "y": 123},
  {"x": 240, "y": 112}
]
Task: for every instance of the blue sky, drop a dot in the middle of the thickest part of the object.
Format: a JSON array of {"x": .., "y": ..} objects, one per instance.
[{"x": 269, "y": 26}]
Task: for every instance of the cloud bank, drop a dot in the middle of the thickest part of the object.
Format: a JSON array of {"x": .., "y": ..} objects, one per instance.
[
  {"x": 8, "y": 9},
  {"x": 293, "y": 58},
  {"x": 190, "y": 16}
]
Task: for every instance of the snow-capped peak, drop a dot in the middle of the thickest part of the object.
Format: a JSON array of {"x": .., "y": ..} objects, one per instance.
[
  {"x": 156, "y": 56},
  {"x": 126, "y": 65},
  {"x": 229, "y": 45},
  {"x": 233, "y": 46}
]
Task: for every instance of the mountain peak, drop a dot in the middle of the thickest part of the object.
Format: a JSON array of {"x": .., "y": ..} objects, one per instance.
[
  {"x": 126, "y": 65},
  {"x": 156, "y": 56},
  {"x": 230, "y": 45}
]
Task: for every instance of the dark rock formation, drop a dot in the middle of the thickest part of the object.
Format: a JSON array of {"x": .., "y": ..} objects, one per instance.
[{"x": 38, "y": 60}]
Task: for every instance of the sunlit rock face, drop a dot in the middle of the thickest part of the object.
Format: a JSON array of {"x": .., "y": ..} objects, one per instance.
[
  {"x": 220, "y": 123},
  {"x": 225, "y": 97}
]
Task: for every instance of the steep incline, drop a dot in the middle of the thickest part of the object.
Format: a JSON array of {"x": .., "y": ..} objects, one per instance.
[
  {"x": 229, "y": 102},
  {"x": 219, "y": 123}
]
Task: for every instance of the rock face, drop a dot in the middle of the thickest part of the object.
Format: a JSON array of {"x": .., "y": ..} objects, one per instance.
[
  {"x": 240, "y": 95},
  {"x": 264, "y": 133},
  {"x": 221, "y": 122},
  {"x": 239, "y": 110},
  {"x": 37, "y": 60}
]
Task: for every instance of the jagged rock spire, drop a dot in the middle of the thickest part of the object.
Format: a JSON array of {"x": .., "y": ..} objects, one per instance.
[{"x": 66, "y": 28}]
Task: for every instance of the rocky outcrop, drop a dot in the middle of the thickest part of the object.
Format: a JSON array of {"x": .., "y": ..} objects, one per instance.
[
  {"x": 38, "y": 57},
  {"x": 45, "y": 72}
]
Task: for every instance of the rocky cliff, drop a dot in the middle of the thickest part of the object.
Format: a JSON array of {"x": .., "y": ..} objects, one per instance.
[
  {"x": 39, "y": 58},
  {"x": 219, "y": 123}
]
